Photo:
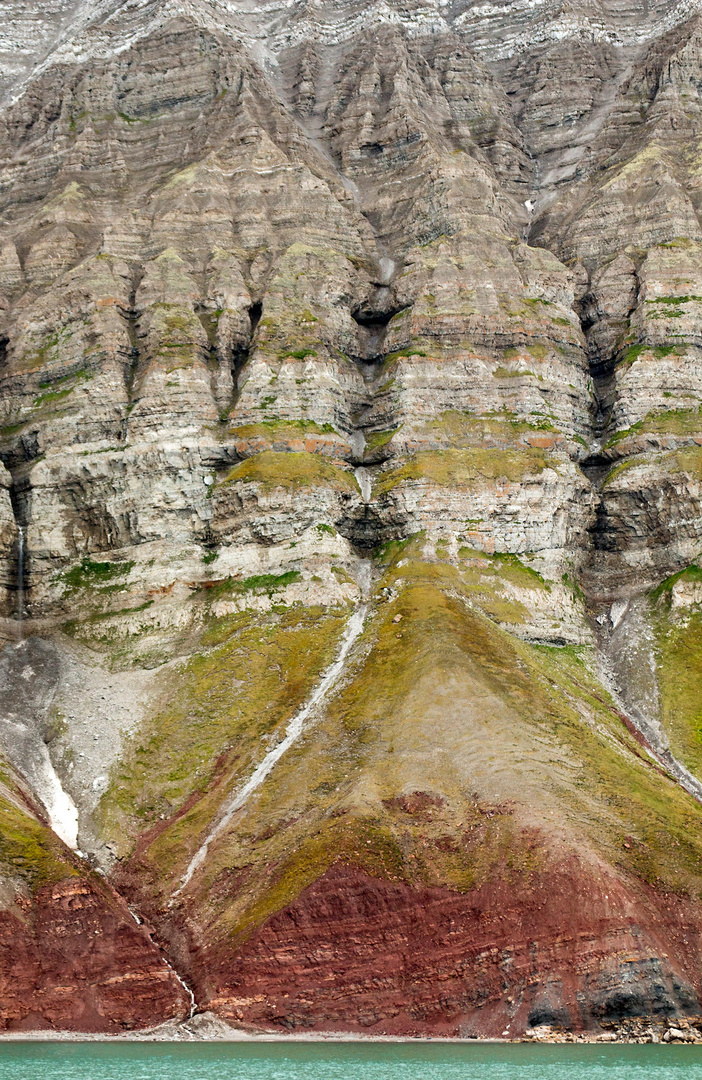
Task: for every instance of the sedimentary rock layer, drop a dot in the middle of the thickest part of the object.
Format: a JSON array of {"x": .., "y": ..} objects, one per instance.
[{"x": 305, "y": 308}]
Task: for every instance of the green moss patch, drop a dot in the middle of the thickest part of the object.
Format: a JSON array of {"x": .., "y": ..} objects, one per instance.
[
  {"x": 259, "y": 583},
  {"x": 683, "y": 422},
  {"x": 501, "y": 372},
  {"x": 621, "y": 467},
  {"x": 464, "y": 429},
  {"x": 633, "y": 352},
  {"x": 692, "y": 573},
  {"x": 29, "y": 850},
  {"x": 96, "y": 575},
  {"x": 514, "y": 569},
  {"x": 688, "y": 460},
  {"x": 403, "y": 354},
  {"x": 675, "y": 300},
  {"x": 376, "y": 440},
  {"x": 297, "y": 354}
]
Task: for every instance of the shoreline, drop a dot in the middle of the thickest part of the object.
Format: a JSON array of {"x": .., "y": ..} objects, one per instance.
[{"x": 209, "y": 1028}]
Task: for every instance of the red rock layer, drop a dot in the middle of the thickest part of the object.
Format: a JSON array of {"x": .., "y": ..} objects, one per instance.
[
  {"x": 72, "y": 958},
  {"x": 570, "y": 946}
]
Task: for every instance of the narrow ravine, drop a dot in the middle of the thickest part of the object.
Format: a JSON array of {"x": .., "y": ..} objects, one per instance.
[
  {"x": 29, "y": 675},
  {"x": 364, "y": 482},
  {"x": 30, "y": 755},
  {"x": 60, "y": 808},
  {"x": 20, "y": 579},
  {"x": 621, "y": 616},
  {"x": 653, "y": 738},
  {"x": 647, "y": 727},
  {"x": 293, "y": 731}
]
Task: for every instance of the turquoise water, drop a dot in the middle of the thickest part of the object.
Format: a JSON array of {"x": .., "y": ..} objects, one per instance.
[{"x": 288, "y": 1061}]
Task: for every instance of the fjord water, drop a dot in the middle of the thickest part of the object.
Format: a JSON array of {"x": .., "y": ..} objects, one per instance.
[{"x": 344, "y": 1061}]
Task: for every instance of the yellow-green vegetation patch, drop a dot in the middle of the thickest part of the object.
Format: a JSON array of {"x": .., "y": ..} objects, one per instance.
[
  {"x": 674, "y": 301},
  {"x": 393, "y": 550},
  {"x": 275, "y": 429},
  {"x": 218, "y": 707},
  {"x": 29, "y": 850},
  {"x": 688, "y": 460},
  {"x": 436, "y": 684},
  {"x": 633, "y": 352},
  {"x": 342, "y": 576},
  {"x": 274, "y": 469},
  {"x": 513, "y": 569},
  {"x": 501, "y": 372},
  {"x": 480, "y": 575},
  {"x": 621, "y": 467},
  {"x": 535, "y": 301},
  {"x": 50, "y": 348},
  {"x": 376, "y": 440},
  {"x": 464, "y": 428},
  {"x": 295, "y": 859},
  {"x": 296, "y": 354},
  {"x": 463, "y": 467},
  {"x": 671, "y": 422},
  {"x": 481, "y": 582},
  {"x": 621, "y": 793},
  {"x": 691, "y": 573},
  {"x": 680, "y": 670},
  {"x": 60, "y": 388},
  {"x": 403, "y": 354},
  {"x": 680, "y": 687},
  {"x": 101, "y": 616},
  {"x": 571, "y": 582},
  {"x": 178, "y": 332},
  {"x": 185, "y": 176}
]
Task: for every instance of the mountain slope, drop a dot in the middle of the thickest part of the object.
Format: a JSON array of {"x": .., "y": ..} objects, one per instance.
[{"x": 363, "y": 333}]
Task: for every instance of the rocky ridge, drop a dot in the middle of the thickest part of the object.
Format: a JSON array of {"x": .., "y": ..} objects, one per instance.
[{"x": 284, "y": 288}]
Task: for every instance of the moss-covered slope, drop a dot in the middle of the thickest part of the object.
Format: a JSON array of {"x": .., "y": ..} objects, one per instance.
[{"x": 456, "y": 774}]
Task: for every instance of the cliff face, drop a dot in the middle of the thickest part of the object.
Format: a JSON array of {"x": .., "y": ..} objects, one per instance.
[
  {"x": 371, "y": 334},
  {"x": 72, "y": 957}
]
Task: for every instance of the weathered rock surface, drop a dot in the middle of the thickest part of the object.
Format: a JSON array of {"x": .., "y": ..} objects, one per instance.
[
  {"x": 72, "y": 956},
  {"x": 394, "y": 946},
  {"x": 289, "y": 288}
]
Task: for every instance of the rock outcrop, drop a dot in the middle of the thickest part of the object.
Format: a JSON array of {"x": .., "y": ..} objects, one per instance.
[
  {"x": 307, "y": 307},
  {"x": 72, "y": 956}
]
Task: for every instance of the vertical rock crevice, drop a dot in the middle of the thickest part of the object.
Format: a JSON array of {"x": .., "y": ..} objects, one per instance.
[
  {"x": 17, "y": 574},
  {"x": 230, "y": 358},
  {"x": 373, "y": 411},
  {"x": 620, "y": 613},
  {"x": 605, "y": 310},
  {"x": 131, "y": 316},
  {"x": 241, "y": 353}
]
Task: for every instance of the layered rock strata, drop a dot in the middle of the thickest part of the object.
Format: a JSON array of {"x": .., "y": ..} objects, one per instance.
[
  {"x": 72, "y": 955},
  {"x": 289, "y": 289}
]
